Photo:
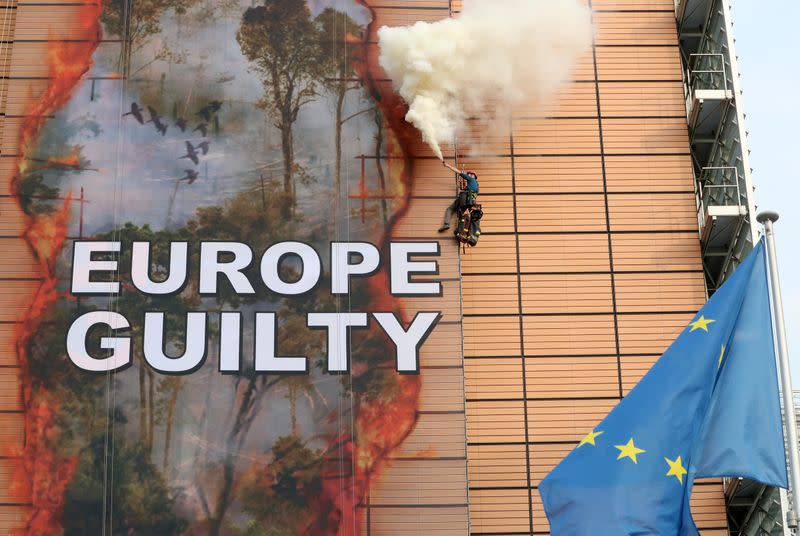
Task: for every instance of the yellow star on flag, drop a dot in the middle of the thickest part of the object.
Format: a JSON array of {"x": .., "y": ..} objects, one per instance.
[
  {"x": 590, "y": 437},
  {"x": 676, "y": 468},
  {"x": 721, "y": 355},
  {"x": 628, "y": 450},
  {"x": 701, "y": 323}
]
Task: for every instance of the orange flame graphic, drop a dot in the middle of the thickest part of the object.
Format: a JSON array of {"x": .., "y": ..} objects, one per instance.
[
  {"x": 381, "y": 425},
  {"x": 43, "y": 473}
]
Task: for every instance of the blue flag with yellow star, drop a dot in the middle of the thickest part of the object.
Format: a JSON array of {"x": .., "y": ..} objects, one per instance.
[{"x": 709, "y": 407}]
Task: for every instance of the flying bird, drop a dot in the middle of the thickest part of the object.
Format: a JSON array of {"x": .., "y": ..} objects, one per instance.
[
  {"x": 191, "y": 153},
  {"x": 156, "y": 120},
  {"x": 181, "y": 124},
  {"x": 203, "y": 146},
  {"x": 212, "y": 107},
  {"x": 190, "y": 177},
  {"x": 136, "y": 112},
  {"x": 161, "y": 127},
  {"x": 203, "y": 128},
  {"x": 153, "y": 114}
]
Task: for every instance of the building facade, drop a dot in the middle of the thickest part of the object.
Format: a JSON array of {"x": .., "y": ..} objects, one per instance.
[{"x": 610, "y": 215}]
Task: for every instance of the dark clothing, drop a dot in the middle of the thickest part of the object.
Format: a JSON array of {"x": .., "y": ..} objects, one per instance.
[
  {"x": 472, "y": 182},
  {"x": 464, "y": 201},
  {"x": 469, "y": 226}
]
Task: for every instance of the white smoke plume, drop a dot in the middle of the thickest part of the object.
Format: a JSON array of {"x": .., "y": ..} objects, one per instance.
[{"x": 499, "y": 53}]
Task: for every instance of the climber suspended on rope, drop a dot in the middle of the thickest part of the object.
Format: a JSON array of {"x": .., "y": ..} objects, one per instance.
[{"x": 465, "y": 207}]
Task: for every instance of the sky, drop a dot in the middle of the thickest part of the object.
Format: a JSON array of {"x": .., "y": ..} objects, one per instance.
[{"x": 769, "y": 63}]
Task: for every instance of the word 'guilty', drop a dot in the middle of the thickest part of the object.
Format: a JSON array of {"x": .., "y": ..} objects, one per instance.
[{"x": 229, "y": 260}]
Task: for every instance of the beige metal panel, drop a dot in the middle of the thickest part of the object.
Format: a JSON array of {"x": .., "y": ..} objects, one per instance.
[
  {"x": 12, "y": 429},
  {"x": 494, "y": 173},
  {"x": 497, "y": 253},
  {"x": 572, "y": 99},
  {"x": 420, "y": 5},
  {"x": 571, "y": 377},
  {"x": 398, "y": 16},
  {"x": 21, "y": 93},
  {"x": 442, "y": 390},
  {"x": 649, "y": 173},
  {"x": 569, "y": 335},
  {"x": 14, "y": 298},
  {"x": 10, "y": 136},
  {"x": 583, "y": 70},
  {"x": 442, "y": 348},
  {"x": 435, "y": 435},
  {"x": 656, "y": 251},
  {"x": 556, "y": 136},
  {"x": 564, "y": 253},
  {"x": 10, "y": 393},
  {"x": 436, "y": 521},
  {"x": 56, "y": 22},
  {"x": 420, "y": 482},
  {"x": 648, "y": 135},
  {"x": 561, "y": 213},
  {"x": 491, "y": 336},
  {"x": 11, "y": 518},
  {"x": 495, "y": 422},
  {"x": 431, "y": 178},
  {"x": 482, "y": 140},
  {"x": 558, "y": 174},
  {"x": 650, "y": 334},
  {"x": 499, "y": 511},
  {"x": 456, "y": 5},
  {"x": 652, "y": 212},
  {"x": 423, "y": 219},
  {"x": 708, "y": 506},
  {"x": 496, "y": 466},
  {"x": 490, "y": 294},
  {"x": 660, "y": 293},
  {"x": 633, "y": 4},
  {"x": 639, "y": 63},
  {"x": 8, "y": 169},
  {"x": 642, "y": 98},
  {"x": 498, "y": 214},
  {"x": 11, "y": 224},
  {"x": 8, "y": 492},
  {"x": 17, "y": 259},
  {"x": 634, "y": 367},
  {"x": 546, "y": 456},
  {"x": 625, "y": 28},
  {"x": 566, "y": 293},
  {"x": 565, "y": 420},
  {"x": 8, "y": 351},
  {"x": 493, "y": 378}
]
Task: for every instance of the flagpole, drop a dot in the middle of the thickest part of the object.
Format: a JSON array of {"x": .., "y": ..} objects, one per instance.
[{"x": 790, "y": 418}]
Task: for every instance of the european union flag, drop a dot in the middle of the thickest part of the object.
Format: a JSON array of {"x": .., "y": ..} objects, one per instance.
[{"x": 709, "y": 407}]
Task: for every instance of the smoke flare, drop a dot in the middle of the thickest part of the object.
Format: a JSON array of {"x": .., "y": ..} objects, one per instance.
[{"x": 496, "y": 52}]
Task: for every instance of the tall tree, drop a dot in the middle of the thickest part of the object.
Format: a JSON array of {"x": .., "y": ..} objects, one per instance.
[
  {"x": 137, "y": 21},
  {"x": 335, "y": 29},
  {"x": 282, "y": 41}
]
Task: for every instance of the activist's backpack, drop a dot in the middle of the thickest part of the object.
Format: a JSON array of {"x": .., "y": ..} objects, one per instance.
[{"x": 469, "y": 226}]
